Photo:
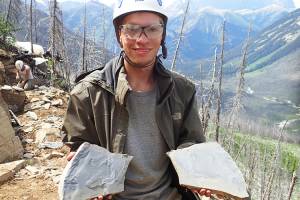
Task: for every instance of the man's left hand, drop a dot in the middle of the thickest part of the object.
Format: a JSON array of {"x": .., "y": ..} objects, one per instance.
[{"x": 202, "y": 192}]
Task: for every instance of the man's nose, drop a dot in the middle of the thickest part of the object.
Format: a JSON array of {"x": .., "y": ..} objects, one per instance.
[{"x": 143, "y": 36}]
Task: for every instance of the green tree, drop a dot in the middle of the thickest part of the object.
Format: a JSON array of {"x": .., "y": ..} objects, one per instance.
[{"x": 6, "y": 33}]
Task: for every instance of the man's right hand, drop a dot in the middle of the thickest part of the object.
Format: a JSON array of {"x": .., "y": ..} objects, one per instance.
[
  {"x": 70, "y": 155},
  {"x": 100, "y": 197}
]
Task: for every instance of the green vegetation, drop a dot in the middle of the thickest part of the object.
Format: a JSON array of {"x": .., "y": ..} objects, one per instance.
[
  {"x": 263, "y": 61},
  {"x": 6, "y": 33},
  {"x": 289, "y": 153}
]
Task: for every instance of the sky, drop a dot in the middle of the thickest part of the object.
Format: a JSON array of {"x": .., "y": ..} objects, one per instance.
[{"x": 297, "y": 3}]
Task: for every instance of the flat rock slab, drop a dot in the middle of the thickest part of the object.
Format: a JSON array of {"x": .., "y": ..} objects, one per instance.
[
  {"x": 208, "y": 165},
  {"x": 8, "y": 170},
  {"x": 93, "y": 171}
]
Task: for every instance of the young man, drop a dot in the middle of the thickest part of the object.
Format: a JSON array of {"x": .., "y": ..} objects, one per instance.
[
  {"x": 135, "y": 106},
  {"x": 24, "y": 75}
]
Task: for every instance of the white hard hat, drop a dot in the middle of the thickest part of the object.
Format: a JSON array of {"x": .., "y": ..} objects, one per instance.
[
  {"x": 19, "y": 64},
  {"x": 125, "y": 7}
]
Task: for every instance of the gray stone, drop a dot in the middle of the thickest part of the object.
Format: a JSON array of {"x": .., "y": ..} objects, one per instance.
[
  {"x": 29, "y": 129},
  {"x": 208, "y": 165},
  {"x": 10, "y": 145},
  {"x": 32, "y": 169},
  {"x": 51, "y": 145},
  {"x": 32, "y": 115},
  {"x": 34, "y": 99},
  {"x": 46, "y": 99},
  {"x": 93, "y": 171},
  {"x": 54, "y": 155},
  {"x": 8, "y": 170},
  {"x": 6, "y": 87},
  {"x": 17, "y": 88},
  {"x": 28, "y": 155},
  {"x": 58, "y": 102},
  {"x": 14, "y": 99},
  {"x": 47, "y": 106},
  {"x": 41, "y": 134}
]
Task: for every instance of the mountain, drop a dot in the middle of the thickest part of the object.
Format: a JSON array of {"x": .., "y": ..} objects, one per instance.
[
  {"x": 203, "y": 28},
  {"x": 202, "y": 31},
  {"x": 228, "y": 4},
  {"x": 273, "y": 73},
  {"x": 242, "y": 4},
  {"x": 271, "y": 44}
]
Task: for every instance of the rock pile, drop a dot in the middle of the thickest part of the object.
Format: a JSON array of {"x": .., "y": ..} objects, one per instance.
[{"x": 40, "y": 134}]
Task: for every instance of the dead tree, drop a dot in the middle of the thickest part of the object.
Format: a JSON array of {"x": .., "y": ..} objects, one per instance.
[
  {"x": 274, "y": 166},
  {"x": 84, "y": 66},
  {"x": 219, "y": 94},
  {"x": 31, "y": 26},
  {"x": 211, "y": 93},
  {"x": 292, "y": 185},
  {"x": 180, "y": 37},
  {"x": 11, "y": 10},
  {"x": 237, "y": 100},
  {"x": 35, "y": 23},
  {"x": 201, "y": 94},
  {"x": 60, "y": 66},
  {"x": 103, "y": 39}
]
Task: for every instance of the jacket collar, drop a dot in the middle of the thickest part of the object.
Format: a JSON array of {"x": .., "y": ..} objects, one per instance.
[{"x": 112, "y": 77}]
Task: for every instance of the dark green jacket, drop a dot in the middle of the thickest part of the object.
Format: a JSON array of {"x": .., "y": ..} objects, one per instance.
[{"x": 96, "y": 111}]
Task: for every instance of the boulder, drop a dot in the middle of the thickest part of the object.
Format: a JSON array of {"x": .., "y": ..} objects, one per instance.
[
  {"x": 15, "y": 99},
  {"x": 10, "y": 145},
  {"x": 26, "y": 46},
  {"x": 2, "y": 74}
]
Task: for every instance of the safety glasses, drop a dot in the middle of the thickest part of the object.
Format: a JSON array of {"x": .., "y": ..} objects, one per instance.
[{"x": 134, "y": 31}]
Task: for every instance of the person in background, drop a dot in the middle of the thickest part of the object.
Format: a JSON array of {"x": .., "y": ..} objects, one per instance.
[
  {"x": 134, "y": 105},
  {"x": 24, "y": 75}
]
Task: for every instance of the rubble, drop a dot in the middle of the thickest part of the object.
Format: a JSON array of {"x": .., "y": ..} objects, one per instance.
[
  {"x": 8, "y": 170},
  {"x": 38, "y": 111},
  {"x": 40, "y": 134}
]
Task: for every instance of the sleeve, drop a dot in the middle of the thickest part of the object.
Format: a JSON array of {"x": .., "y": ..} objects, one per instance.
[
  {"x": 79, "y": 123},
  {"x": 191, "y": 131}
]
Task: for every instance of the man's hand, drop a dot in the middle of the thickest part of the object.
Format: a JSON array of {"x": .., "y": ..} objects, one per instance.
[
  {"x": 202, "y": 192},
  {"x": 100, "y": 197},
  {"x": 70, "y": 155}
]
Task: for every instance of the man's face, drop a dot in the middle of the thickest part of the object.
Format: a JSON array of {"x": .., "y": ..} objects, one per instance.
[{"x": 141, "y": 48}]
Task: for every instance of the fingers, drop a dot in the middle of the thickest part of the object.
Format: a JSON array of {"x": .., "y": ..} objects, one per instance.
[
  {"x": 70, "y": 155},
  {"x": 100, "y": 197},
  {"x": 202, "y": 192}
]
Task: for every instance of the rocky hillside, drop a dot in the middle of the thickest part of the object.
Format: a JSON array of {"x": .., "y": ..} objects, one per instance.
[{"x": 32, "y": 155}]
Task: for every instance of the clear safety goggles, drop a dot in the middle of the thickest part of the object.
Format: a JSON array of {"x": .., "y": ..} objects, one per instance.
[{"x": 134, "y": 31}]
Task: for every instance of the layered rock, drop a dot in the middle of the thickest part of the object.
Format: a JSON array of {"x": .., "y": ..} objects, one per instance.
[{"x": 10, "y": 145}]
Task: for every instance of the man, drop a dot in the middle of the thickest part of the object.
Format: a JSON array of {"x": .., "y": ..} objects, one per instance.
[
  {"x": 24, "y": 75},
  {"x": 135, "y": 106}
]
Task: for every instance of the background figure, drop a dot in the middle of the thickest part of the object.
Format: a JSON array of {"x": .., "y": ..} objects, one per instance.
[{"x": 24, "y": 75}]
